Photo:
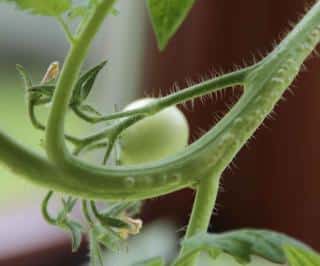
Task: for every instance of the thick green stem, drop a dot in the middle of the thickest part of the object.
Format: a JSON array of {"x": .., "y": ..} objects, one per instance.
[
  {"x": 264, "y": 84},
  {"x": 202, "y": 210},
  {"x": 55, "y": 143}
]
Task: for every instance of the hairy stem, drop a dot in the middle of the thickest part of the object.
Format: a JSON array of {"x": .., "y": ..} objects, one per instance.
[
  {"x": 198, "y": 90},
  {"x": 205, "y": 200},
  {"x": 265, "y": 84}
]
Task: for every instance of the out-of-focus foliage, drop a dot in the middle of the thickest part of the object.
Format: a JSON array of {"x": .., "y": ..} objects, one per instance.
[
  {"x": 242, "y": 244},
  {"x": 167, "y": 16},
  {"x": 40, "y": 7}
]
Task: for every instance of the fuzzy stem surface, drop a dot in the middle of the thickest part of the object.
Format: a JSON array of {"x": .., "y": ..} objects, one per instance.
[{"x": 202, "y": 210}]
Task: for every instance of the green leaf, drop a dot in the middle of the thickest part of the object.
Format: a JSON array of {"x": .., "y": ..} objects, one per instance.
[
  {"x": 85, "y": 83},
  {"x": 300, "y": 257},
  {"x": 41, "y": 7},
  {"x": 107, "y": 237},
  {"x": 241, "y": 245},
  {"x": 115, "y": 12},
  {"x": 106, "y": 220},
  {"x": 63, "y": 220},
  {"x": 76, "y": 234},
  {"x": 157, "y": 261},
  {"x": 44, "y": 90},
  {"x": 112, "y": 222},
  {"x": 131, "y": 208},
  {"x": 95, "y": 250},
  {"x": 25, "y": 76},
  {"x": 77, "y": 12},
  {"x": 32, "y": 96},
  {"x": 89, "y": 110},
  {"x": 41, "y": 94},
  {"x": 69, "y": 204},
  {"x": 167, "y": 16}
]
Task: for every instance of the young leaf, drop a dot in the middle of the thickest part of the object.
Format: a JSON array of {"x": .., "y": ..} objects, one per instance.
[
  {"x": 88, "y": 109},
  {"x": 167, "y": 16},
  {"x": 85, "y": 83},
  {"x": 25, "y": 76},
  {"x": 95, "y": 250},
  {"x": 108, "y": 221},
  {"x": 157, "y": 261},
  {"x": 107, "y": 237},
  {"x": 62, "y": 219},
  {"x": 131, "y": 208},
  {"x": 76, "y": 233},
  {"x": 45, "y": 90},
  {"x": 77, "y": 12},
  {"x": 69, "y": 204},
  {"x": 300, "y": 257},
  {"x": 241, "y": 245},
  {"x": 67, "y": 208},
  {"x": 41, "y": 7}
]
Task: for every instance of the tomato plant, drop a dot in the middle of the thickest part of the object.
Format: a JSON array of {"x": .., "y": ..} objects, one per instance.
[{"x": 147, "y": 131}]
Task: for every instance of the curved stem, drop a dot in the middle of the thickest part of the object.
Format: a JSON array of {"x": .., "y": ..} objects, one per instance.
[
  {"x": 32, "y": 115},
  {"x": 264, "y": 87},
  {"x": 205, "y": 200},
  {"x": 84, "y": 116},
  {"x": 110, "y": 133},
  {"x": 38, "y": 125},
  {"x": 44, "y": 209},
  {"x": 86, "y": 212},
  {"x": 91, "y": 147},
  {"x": 198, "y": 90},
  {"x": 55, "y": 144}
]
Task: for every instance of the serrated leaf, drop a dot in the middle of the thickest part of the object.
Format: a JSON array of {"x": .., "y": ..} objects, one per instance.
[
  {"x": 41, "y": 7},
  {"x": 167, "y": 16},
  {"x": 300, "y": 257},
  {"x": 157, "y": 261},
  {"x": 85, "y": 83},
  {"x": 241, "y": 245}
]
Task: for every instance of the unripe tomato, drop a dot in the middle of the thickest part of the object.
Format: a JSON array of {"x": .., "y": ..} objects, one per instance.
[{"x": 155, "y": 137}]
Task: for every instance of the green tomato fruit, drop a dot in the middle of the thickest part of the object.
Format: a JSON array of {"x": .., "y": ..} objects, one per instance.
[{"x": 155, "y": 137}]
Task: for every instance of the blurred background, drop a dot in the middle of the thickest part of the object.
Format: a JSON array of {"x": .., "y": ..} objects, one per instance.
[{"x": 274, "y": 182}]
